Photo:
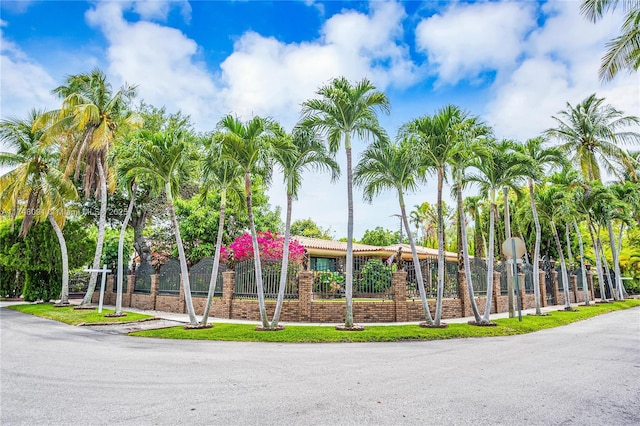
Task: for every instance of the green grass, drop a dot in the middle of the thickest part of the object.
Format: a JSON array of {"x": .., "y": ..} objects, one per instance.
[
  {"x": 317, "y": 334},
  {"x": 70, "y": 316}
]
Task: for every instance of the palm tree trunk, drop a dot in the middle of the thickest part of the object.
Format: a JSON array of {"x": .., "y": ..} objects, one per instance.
[
  {"x": 563, "y": 266},
  {"x": 465, "y": 255},
  {"x": 490, "y": 256},
  {"x": 583, "y": 270},
  {"x": 440, "y": 249},
  {"x": 416, "y": 263},
  {"x": 102, "y": 222},
  {"x": 285, "y": 263},
  {"x": 216, "y": 258},
  {"x": 507, "y": 234},
  {"x": 568, "y": 238},
  {"x": 623, "y": 292},
  {"x": 616, "y": 262},
  {"x": 596, "y": 250},
  {"x": 64, "y": 294},
  {"x": 123, "y": 230},
  {"x": 256, "y": 253},
  {"x": 348, "y": 286},
  {"x": 186, "y": 285},
  {"x": 536, "y": 249},
  {"x": 607, "y": 271}
]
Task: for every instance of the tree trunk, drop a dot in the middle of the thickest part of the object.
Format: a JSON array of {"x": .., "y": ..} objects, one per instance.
[
  {"x": 623, "y": 292},
  {"x": 186, "y": 285},
  {"x": 536, "y": 249},
  {"x": 64, "y": 293},
  {"x": 563, "y": 266},
  {"x": 348, "y": 285},
  {"x": 583, "y": 269},
  {"x": 285, "y": 263},
  {"x": 568, "y": 237},
  {"x": 596, "y": 250},
  {"x": 465, "y": 256},
  {"x": 416, "y": 262},
  {"x": 607, "y": 271},
  {"x": 438, "y": 315},
  {"x": 256, "y": 253},
  {"x": 102, "y": 222},
  {"x": 216, "y": 257},
  {"x": 490, "y": 256},
  {"x": 123, "y": 230},
  {"x": 507, "y": 234},
  {"x": 616, "y": 262},
  {"x": 138, "y": 222}
]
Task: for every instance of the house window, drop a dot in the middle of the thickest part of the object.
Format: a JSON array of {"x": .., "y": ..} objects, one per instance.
[{"x": 323, "y": 264}]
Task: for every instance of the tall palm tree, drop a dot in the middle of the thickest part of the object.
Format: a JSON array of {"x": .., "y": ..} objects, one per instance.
[
  {"x": 34, "y": 179},
  {"x": 593, "y": 131},
  {"x": 542, "y": 158},
  {"x": 622, "y": 51},
  {"x": 92, "y": 117},
  {"x": 435, "y": 137},
  {"x": 425, "y": 219},
  {"x": 251, "y": 145},
  {"x": 473, "y": 207},
  {"x": 383, "y": 166},
  {"x": 163, "y": 160},
  {"x": 308, "y": 153},
  {"x": 501, "y": 167},
  {"x": 224, "y": 176},
  {"x": 345, "y": 110}
]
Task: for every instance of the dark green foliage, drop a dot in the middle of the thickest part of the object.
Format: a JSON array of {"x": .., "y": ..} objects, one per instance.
[
  {"x": 380, "y": 237},
  {"x": 37, "y": 258},
  {"x": 110, "y": 249},
  {"x": 375, "y": 277},
  {"x": 308, "y": 228},
  {"x": 10, "y": 282}
]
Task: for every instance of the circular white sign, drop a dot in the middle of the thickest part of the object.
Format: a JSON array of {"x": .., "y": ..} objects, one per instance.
[{"x": 508, "y": 245}]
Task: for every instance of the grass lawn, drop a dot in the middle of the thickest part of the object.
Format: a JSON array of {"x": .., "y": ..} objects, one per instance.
[
  {"x": 70, "y": 316},
  {"x": 316, "y": 334}
]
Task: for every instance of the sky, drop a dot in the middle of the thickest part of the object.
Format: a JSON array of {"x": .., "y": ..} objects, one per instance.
[{"x": 514, "y": 64}]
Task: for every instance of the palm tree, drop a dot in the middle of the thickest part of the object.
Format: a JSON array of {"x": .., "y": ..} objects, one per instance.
[
  {"x": 592, "y": 131},
  {"x": 628, "y": 192},
  {"x": 163, "y": 160},
  {"x": 554, "y": 206},
  {"x": 502, "y": 167},
  {"x": 92, "y": 117},
  {"x": 35, "y": 179},
  {"x": 251, "y": 146},
  {"x": 472, "y": 206},
  {"x": 425, "y": 218},
  {"x": 225, "y": 176},
  {"x": 393, "y": 166},
  {"x": 541, "y": 159},
  {"x": 622, "y": 51},
  {"x": 435, "y": 138},
  {"x": 308, "y": 153},
  {"x": 346, "y": 110}
]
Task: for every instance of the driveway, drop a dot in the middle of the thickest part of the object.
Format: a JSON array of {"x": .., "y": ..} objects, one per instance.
[{"x": 584, "y": 373}]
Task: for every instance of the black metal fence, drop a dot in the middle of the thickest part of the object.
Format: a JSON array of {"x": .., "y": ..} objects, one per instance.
[
  {"x": 479, "y": 277},
  {"x": 125, "y": 273},
  {"x": 429, "y": 269},
  {"x": 245, "y": 286},
  {"x": 142, "y": 282},
  {"x": 371, "y": 280},
  {"x": 169, "y": 283},
  {"x": 200, "y": 278}
]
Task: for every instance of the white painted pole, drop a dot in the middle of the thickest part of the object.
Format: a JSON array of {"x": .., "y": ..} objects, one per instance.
[{"x": 103, "y": 283}]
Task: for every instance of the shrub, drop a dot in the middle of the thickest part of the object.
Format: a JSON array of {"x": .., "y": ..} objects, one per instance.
[{"x": 270, "y": 244}]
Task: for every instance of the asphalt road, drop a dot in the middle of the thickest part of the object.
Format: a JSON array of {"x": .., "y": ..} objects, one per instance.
[{"x": 584, "y": 373}]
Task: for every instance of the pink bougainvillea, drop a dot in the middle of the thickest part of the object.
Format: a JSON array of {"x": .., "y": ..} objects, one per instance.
[{"x": 270, "y": 244}]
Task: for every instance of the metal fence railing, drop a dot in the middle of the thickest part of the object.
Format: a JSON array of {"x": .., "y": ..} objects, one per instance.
[
  {"x": 245, "y": 286},
  {"x": 479, "y": 277},
  {"x": 142, "y": 282},
  {"x": 169, "y": 283},
  {"x": 527, "y": 270},
  {"x": 371, "y": 280},
  {"x": 125, "y": 273},
  {"x": 200, "y": 278},
  {"x": 429, "y": 268}
]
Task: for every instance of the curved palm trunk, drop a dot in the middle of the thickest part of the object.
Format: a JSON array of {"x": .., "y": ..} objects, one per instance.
[
  {"x": 596, "y": 250},
  {"x": 348, "y": 285},
  {"x": 536, "y": 249},
  {"x": 583, "y": 270},
  {"x": 186, "y": 285},
  {"x": 123, "y": 230},
  {"x": 102, "y": 222},
  {"x": 563, "y": 266},
  {"x": 616, "y": 263},
  {"x": 64, "y": 294},
  {"x": 416, "y": 262},
  {"x": 507, "y": 234},
  {"x": 607, "y": 271},
  {"x": 216, "y": 258},
  {"x": 438, "y": 315},
  {"x": 256, "y": 253},
  {"x": 465, "y": 255},
  {"x": 490, "y": 257},
  {"x": 568, "y": 237},
  {"x": 623, "y": 292},
  {"x": 285, "y": 263}
]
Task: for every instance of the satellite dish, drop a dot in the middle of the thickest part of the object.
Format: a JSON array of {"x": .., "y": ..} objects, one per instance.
[{"x": 513, "y": 243}]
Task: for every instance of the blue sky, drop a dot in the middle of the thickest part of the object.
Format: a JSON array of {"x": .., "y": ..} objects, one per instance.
[{"x": 515, "y": 64}]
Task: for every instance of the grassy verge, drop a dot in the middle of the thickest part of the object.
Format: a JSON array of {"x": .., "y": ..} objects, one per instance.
[
  {"x": 315, "y": 334},
  {"x": 70, "y": 316}
]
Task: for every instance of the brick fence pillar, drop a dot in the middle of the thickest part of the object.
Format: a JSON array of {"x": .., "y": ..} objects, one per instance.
[
  {"x": 542, "y": 278},
  {"x": 590, "y": 281},
  {"x": 155, "y": 281},
  {"x": 465, "y": 297},
  {"x": 573, "y": 279},
  {"x": 228, "y": 287},
  {"x": 554, "y": 274},
  {"x": 399, "y": 282},
  {"x": 109, "y": 294},
  {"x": 305, "y": 292},
  {"x": 126, "y": 297},
  {"x": 496, "y": 291},
  {"x": 522, "y": 289}
]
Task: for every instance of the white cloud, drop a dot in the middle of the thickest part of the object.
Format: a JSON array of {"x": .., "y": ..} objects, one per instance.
[
  {"x": 467, "y": 39},
  {"x": 159, "y": 10}
]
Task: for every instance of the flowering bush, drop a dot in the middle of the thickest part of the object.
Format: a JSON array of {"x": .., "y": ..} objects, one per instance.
[{"x": 271, "y": 245}]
